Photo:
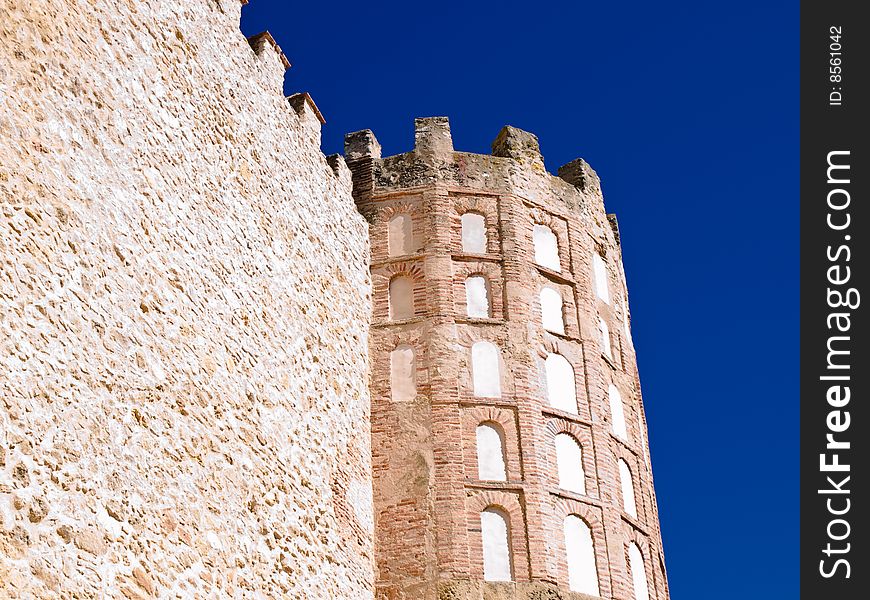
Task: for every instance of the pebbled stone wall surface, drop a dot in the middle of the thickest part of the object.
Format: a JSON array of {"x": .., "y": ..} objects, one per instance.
[{"x": 184, "y": 310}]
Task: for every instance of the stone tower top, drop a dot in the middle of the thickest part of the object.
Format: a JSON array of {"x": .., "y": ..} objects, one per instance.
[
  {"x": 515, "y": 165},
  {"x": 519, "y": 145}
]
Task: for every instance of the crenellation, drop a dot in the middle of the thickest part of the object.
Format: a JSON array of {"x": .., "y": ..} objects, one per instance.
[
  {"x": 519, "y": 145},
  {"x": 432, "y": 140},
  {"x": 305, "y": 107},
  {"x": 338, "y": 165},
  {"x": 309, "y": 116},
  {"x": 262, "y": 41},
  {"x": 361, "y": 144},
  {"x": 271, "y": 61},
  {"x": 579, "y": 174}
]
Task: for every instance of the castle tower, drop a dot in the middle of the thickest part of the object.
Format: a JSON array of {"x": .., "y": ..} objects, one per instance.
[{"x": 509, "y": 439}]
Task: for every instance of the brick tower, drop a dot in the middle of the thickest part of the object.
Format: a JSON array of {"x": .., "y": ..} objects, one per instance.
[{"x": 509, "y": 439}]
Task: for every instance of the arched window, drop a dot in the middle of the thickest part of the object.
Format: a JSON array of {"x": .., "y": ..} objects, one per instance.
[
  {"x": 551, "y": 310},
  {"x": 490, "y": 453},
  {"x": 580, "y": 555},
  {"x": 485, "y": 370},
  {"x": 400, "y": 237},
  {"x": 638, "y": 572},
  {"x": 625, "y": 320},
  {"x": 561, "y": 388},
  {"x": 617, "y": 414},
  {"x": 626, "y": 482},
  {"x": 477, "y": 296},
  {"x": 473, "y": 233},
  {"x": 401, "y": 298},
  {"x": 605, "y": 338},
  {"x": 546, "y": 247},
  {"x": 599, "y": 272},
  {"x": 496, "y": 545},
  {"x": 569, "y": 462},
  {"x": 403, "y": 374}
]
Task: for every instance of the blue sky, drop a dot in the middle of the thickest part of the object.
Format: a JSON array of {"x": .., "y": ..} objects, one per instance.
[{"x": 689, "y": 112}]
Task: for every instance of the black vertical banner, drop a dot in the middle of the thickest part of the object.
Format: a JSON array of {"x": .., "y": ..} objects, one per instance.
[{"x": 835, "y": 369}]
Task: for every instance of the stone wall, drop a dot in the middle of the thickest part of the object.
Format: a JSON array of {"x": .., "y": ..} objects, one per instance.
[
  {"x": 428, "y": 494},
  {"x": 184, "y": 307}
]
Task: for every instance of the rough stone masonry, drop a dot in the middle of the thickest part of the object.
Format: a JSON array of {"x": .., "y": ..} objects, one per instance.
[{"x": 184, "y": 309}]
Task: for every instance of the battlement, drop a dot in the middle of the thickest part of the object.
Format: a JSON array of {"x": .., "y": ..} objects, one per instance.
[
  {"x": 263, "y": 42},
  {"x": 432, "y": 140},
  {"x": 516, "y": 162}
]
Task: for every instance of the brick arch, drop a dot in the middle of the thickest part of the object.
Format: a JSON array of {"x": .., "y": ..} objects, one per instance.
[
  {"x": 382, "y": 223},
  {"x": 378, "y": 217},
  {"x": 632, "y": 535},
  {"x": 413, "y": 269},
  {"x": 381, "y": 278},
  {"x": 380, "y": 360},
  {"x": 485, "y": 206},
  {"x": 402, "y": 208},
  {"x": 569, "y": 308},
  {"x": 467, "y": 336},
  {"x": 542, "y": 217},
  {"x": 492, "y": 272},
  {"x": 573, "y": 353},
  {"x": 510, "y": 505},
  {"x": 635, "y": 465},
  {"x": 481, "y": 205},
  {"x": 583, "y": 436},
  {"x": 494, "y": 414},
  {"x": 559, "y": 228},
  {"x": 564, "y": 507},
  {"x": 506, "y": 419},
  {"x": 554, "y": 345},
  {"x": 629, "y": 407}
]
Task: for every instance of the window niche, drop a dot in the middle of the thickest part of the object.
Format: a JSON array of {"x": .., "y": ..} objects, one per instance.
[
  {"x": 617, "y": 413},
  {"x": 403, "y": 374},
  {"x": 600, "y": 278},
  {"x": 626, "y": 483},
  {"x": 401, "y": 298},
  {"x": 485, "y": 370},
  {"x": 561, "y": 384},
  {"x": 552, "y": 315},
  {"x": 400, "y": 235},
  {"x": 569, "y": 464},
  {"x": 473, "y": 233},
  {"x": 546, "y": 247},
  {"x": 604, "y": 332},
  {"x": 477, "y": 297},
  {"x": 638, "y": 572},
  {"x": 495, "y": 531},
  {"x": 580, "y": 556},
  {"x": 491, "y": 452}
]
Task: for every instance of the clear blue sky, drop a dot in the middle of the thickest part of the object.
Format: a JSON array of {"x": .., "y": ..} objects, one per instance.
[{"x": 689, "y": 112}]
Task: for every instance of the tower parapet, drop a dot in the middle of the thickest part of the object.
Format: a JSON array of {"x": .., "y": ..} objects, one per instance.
[{"x": 509, "y": 439}]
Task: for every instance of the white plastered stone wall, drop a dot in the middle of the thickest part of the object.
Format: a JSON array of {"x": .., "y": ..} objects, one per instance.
[{"x": 181, "y": 270}]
